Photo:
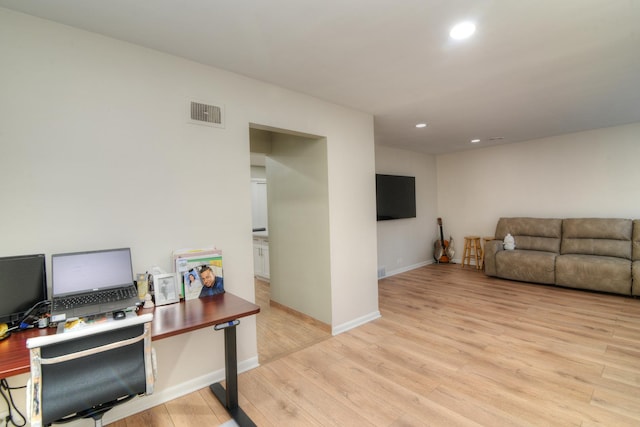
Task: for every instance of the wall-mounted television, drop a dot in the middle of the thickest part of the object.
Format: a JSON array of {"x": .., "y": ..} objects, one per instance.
[{"x": 395, "y": 197}]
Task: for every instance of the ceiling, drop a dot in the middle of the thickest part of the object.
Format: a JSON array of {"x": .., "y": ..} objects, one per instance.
[{"x": 534, "y": 68}]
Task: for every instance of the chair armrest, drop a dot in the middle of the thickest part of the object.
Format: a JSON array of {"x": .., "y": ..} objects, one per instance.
[{"x": 491, "y": 248}]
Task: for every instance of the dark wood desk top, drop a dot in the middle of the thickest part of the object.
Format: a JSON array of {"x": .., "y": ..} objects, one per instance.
[
  {"x": 174, "y": 319},
  {"x": 168, "y": 320}
]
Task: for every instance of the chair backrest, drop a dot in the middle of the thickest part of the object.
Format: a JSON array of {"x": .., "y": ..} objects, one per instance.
[{"x": 75, "y": 371}]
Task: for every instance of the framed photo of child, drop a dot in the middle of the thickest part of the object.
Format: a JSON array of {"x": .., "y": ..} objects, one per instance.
[{"x": 165, "y": 289}]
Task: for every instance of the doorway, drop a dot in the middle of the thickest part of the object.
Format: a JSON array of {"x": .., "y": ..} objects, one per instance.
[{"x": 296, "y": 175}]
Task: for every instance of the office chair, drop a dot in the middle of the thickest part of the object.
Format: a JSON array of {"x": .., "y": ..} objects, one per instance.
[{"x": 84, "y": 373}]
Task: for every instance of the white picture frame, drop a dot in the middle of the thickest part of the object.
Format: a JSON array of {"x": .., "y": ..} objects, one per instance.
[{"x": 165, "y": 289}]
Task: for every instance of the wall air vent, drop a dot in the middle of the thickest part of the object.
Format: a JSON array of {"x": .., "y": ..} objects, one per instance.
[{"x": 206, "y": 114}]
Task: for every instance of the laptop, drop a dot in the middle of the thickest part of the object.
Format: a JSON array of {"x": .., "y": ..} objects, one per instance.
[{"x": 90, "y": 283}]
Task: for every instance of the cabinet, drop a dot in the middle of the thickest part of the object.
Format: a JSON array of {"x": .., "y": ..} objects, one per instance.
[{"x": 261, "y": 257}]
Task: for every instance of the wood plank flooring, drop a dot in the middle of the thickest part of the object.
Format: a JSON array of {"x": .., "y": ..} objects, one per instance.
[
  {"x": 282, "y": 331},
  {"x": 453, "y": 348}
]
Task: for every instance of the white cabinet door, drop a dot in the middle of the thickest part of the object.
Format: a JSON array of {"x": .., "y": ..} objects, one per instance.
[
  {"x": 265, "y": 259},
  {"x": 261, "y": 257},
  {"x": 257, "y": 257}
]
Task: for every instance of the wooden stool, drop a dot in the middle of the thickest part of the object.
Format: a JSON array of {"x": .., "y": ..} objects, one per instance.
[{"x": 472, "y": 248}]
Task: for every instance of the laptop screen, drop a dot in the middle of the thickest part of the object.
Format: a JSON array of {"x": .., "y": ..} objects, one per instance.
[{"x": 80, "y": 272}]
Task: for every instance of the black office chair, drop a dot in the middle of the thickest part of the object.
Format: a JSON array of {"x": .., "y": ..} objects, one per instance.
[{"x": 84, "y": 373}]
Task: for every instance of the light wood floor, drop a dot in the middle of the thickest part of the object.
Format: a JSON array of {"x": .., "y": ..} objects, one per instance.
[
  {"x": 282, "y": 331},
  {"x": 453, "y": 347}
]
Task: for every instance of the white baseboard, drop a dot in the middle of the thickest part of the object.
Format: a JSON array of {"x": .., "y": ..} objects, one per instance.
[
  {"x": 407, "y": 268},
  {"x": 355, "y": 323},
  {"x": 140, "y": 404}
]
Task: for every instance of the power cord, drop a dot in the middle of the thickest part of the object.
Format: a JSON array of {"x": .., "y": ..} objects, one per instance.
[
  {"x": 34, "y": 313},
  {"x": 11, "y": 406},
  {"x": 29, "y": 319}
]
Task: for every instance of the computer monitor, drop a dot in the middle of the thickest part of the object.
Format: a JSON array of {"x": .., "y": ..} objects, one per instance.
[{"x": 23, "y": 284}]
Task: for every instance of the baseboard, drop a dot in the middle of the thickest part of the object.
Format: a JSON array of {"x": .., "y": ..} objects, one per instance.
[
  {"x": 356, "y": 322},
  {"x": 407, "y": 268},
  {"x": 303, "y": 317},
  {"x": 140, "y": 404}
]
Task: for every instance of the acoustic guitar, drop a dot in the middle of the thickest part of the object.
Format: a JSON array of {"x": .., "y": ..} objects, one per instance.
[{"x": 443, "y": 249}]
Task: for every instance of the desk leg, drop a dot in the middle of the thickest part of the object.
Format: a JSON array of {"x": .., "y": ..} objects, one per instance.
[{"x": 229, "y": 397}]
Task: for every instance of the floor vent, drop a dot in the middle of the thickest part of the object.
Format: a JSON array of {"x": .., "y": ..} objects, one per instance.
[{"x": 206, "y": 114}]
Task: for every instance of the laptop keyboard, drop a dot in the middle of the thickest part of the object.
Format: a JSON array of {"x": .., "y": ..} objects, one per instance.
[{"x": 100, "y": 297}]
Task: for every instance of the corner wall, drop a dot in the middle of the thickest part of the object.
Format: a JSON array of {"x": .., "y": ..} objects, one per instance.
[
  {"x": 405, "y": 244},
  {"x": 299, "y": 225}
]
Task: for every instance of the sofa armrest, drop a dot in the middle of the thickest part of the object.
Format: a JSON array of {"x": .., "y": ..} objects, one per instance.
[{"x": 491, "y": 248}]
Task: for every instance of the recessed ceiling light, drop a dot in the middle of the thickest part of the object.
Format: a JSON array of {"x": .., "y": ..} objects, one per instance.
[
  {"x": 462, "y": 30},
  {"x": 475, "y": 141},
  {"x": 421, "y": 125}
]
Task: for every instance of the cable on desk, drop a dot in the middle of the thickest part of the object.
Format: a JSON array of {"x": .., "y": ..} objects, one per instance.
[{"x": 11, "y": 406}]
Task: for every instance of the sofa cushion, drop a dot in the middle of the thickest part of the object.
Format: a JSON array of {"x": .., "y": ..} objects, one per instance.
[
  {"x": 597, "y": 236},
  {"x": 526, "y": 265},
  {"x": 536, "y": 234},
  {"x": 599, "y": 273}
]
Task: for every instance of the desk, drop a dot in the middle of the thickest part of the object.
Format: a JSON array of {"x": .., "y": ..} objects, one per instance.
[{"x": 168, "y": 320}]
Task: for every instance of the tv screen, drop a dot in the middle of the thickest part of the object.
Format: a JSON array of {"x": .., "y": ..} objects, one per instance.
[
  {"x": 22, "y": 284},
  {"x": 395, "y": 197}
]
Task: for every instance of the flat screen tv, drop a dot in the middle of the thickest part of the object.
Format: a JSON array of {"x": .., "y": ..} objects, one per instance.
[
  {"x": 395, "y": 197},
  {"x": 23, "y": 283}
]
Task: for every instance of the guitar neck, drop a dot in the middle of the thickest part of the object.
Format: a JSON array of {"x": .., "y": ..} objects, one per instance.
[{"x": 441, "y": 234}]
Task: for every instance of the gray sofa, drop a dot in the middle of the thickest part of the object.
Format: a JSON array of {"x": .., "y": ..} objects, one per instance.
[{"x": 599, "y": 254}]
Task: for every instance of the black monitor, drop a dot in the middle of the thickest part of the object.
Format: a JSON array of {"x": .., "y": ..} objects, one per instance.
[{"x": 23, "y": 284}]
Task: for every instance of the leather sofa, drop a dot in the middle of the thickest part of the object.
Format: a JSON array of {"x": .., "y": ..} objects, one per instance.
[{"x": 598, "y": 254}]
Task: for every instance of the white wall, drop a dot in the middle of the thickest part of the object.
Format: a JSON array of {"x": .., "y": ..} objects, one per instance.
[
  {"x": 96, "y": 152},
  {"x": 586, "y": 174},
  {"x": 299, "y": 225},
  {"x": 405, "y": 244},
  {"x": 258, "y": 172}
]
